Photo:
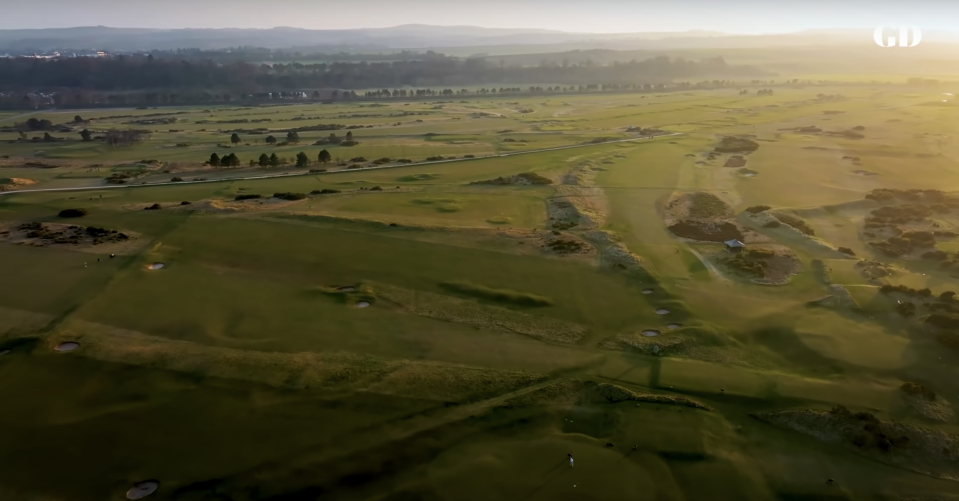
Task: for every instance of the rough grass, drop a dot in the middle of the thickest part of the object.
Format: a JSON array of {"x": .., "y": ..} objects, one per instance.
[
  {"x": 573, "y": 392},
  {"x": 506, "y": 296}
]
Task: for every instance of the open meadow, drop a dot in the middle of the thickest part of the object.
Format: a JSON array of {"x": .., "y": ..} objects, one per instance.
[{"x": 700, "y": 295}]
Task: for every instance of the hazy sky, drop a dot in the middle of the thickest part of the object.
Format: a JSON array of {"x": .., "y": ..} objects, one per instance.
[{"x": 598, "y": 16}]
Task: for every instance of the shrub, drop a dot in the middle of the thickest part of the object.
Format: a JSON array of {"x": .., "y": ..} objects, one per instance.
[
  {"x": 73, "y": 213},
  {"x": 323, "y": 192},
  {"x": 772, "y": 224},
  {"x": 936, "y": 255},
  {"x": 153, "y": 207},
  {"x": 534, "y": 178},
  {"x": 906, "y": 309},
  {"x": 349, "y": 143},
  {"x": 184, "y": 203},
  {"x": 286, "y": 195},
  {"x": 949, "y": 339},
  {"x": 376, "y": 188},
  {"x": 358, "y": 159},
  {"x": 756, "y": 209},
  {"x": 316, "y": 171},
  {"x": 248, "y": 196},
  {"x": 736, "y": 145},
  {"x": 176, "y": 180},
  {"x": 847, "y": 251},
  {"x": 943, "y": 320},
  {"x": 918, "y": 390}
]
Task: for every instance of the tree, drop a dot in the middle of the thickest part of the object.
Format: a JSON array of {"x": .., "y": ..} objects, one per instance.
[
  {"x": 316, "y": 95},
  {"x": 264, "y": 160},
  {"x": 77, "y": 119},
  {"x": 274, "y": 160},
  {"x": 302, "y": 160},
  {"x": 214, "y": 160},
  {"x": 230, "y": 160},
  {"x": 85, "y": 135},
  {"x": 349, "y": 135},
  {"x": 270, "y": 140},
  {"x": 235, "y": 139},
  {"x": 324, "y": 157},
  {"x": 293, "y": 137}
]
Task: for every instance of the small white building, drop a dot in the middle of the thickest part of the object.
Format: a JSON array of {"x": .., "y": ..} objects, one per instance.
[{"x": 733, "y": 246}]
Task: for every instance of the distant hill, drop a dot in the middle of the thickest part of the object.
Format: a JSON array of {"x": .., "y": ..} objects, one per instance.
[
  {"x": 398, "y": 37},
  {"x": 447, "y": 39}
]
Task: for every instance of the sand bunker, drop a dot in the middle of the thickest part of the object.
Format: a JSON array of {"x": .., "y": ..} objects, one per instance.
[
  {"x": 864, "y": 173},
  {"x": 346, "y": 288},
  {"x": 650, "y": 332},
  {"x": 155, "y": 266},
  {"x": 142, "y": 490},
  {"x": 661, "y": 311},
  {"x": 648, "y": 291},
  {"x": 673, "y": 326},
  {"x": 68, "y": 346},
  {"x": 362, "y": 304}
]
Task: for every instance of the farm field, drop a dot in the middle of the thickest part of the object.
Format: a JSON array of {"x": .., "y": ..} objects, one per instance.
[{"x": 703, "y": 295}]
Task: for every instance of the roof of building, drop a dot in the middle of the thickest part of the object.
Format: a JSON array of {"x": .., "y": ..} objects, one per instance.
[{"x": 734, "y": 243}]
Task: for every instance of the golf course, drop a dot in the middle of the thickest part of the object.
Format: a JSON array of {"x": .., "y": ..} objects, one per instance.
[{"x": 719, "y": 294}]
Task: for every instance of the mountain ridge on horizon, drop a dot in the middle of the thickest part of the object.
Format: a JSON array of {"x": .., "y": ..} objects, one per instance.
[{"x": 404, "y": 36}]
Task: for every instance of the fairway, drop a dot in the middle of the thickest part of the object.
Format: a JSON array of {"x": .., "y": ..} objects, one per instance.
[{"x": 416, "y": 316}]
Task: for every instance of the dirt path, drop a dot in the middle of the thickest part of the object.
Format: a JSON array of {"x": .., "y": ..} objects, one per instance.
[{"x": 22, "y": 115}]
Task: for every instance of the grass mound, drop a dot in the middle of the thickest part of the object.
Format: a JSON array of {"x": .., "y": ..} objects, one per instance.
[
  {"x": 731, "y": 144},
  {"x": 579, "y": 392},
  {"x": 706, "y": 230},
  {"x": 524, "y": 178},
  {"x": 796, "y": 223},
  {"x": 417, "y": 177},
  {"x": 706, "y": 205},
  {"x": 73, "y": 213},
  {"x": 434, "y": 201},
  {"x": 500, "y": 220},
  {"x": 250, "y": 196},
  {"x": 925, "y": 451},
  {"x": 498, "y": 295}
]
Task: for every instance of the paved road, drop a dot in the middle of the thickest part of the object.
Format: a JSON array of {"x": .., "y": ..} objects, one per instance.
[{"x": 293, "y": 174}]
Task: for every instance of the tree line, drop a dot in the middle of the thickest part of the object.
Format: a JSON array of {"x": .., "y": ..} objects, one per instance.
[
  {"x": 131, "y": 73},
  {"x": 264, "y": 160}
]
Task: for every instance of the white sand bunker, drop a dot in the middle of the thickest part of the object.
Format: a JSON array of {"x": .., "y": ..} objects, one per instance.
[
  {"x": 68, "y": 346},
  {"x": 142, "y": 490},
  {"x": 650, "y": 332},
  {"x": 362, "y": 304},
  {"x": 648, "y": 291},
  {"x": 346, "y": 288},
  {"x": 673, "y": 326},
  {"x": 661, "y": 311},
  {"x": 155, "y": 266}
]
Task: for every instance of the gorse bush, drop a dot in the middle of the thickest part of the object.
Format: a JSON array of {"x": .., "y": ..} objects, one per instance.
[{"x": 498, "y": 295}]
